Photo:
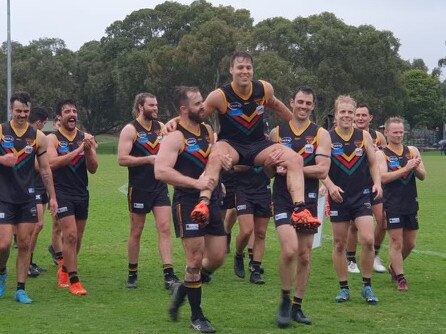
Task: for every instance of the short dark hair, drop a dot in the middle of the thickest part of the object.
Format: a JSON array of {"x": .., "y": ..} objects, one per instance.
[
  {"x": 62, "y": 103},
  {"x": 364, "y": 105},
  {"x": 180, "y": 95},
  {"x": 38, "y": 114},
  {"x": 306, "y": 90},
  {"x": 22, "y": 97},
  {"x": 241, "y": 54}
]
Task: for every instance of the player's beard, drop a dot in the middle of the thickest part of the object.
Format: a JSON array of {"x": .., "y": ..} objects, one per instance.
[{"x": 197, "y": 117}]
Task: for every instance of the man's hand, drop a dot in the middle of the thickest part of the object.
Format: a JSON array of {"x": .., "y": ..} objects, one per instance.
[
  {"x": 226, "y": 161},
  {"x": 378, "y": 191},
  {"x": 336, "y": 194},
  {"x": 204, "y": 182},
  {"x": 52, "y": 206},
  {"x": 170, "y": 126},
  {"x": 275, "y": 158},
  {"x": 9, "y": 160}
]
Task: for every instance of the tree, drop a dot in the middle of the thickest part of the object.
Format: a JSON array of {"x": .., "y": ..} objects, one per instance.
[{"x": 423, "y": 108}]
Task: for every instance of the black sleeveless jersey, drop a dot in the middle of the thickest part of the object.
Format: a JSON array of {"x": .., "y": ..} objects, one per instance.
[
  {"x": 304, "y": 143},
  {"x": 243, "y": 119},
  {"x": 17, "y": 182},
  {"x": 349, "y": 165},
  {"x": 375, "y": 138},
  {"x": 193, "y": 157},
  {"x": 400, "y": 196},
  {"x": 145, "y": 143},
  {"x": 71, "y": 179},
  {"x": 252, "y": 182}
]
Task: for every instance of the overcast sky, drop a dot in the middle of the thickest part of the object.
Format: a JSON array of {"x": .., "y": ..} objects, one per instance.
[{"x": 419, "y": 25}]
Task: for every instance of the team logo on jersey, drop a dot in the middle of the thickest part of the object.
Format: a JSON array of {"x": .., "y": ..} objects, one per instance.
[
  {"x": 358, "y": 150},
  {"x": 29, "y": 141},
  {"x": 8, "y": 141},
  {"x": 192, "y": 145},
  {"x": 28, "y": 149},
  {"x": 285, "y": 141},
  {"x": 260, "y": 110},
  {"x": 63, "y": 147},
  {"x": 235, "y": 105},
  {"x": 394, "y": 162},
  {"x": 142, "y": 137},
  {"x": 337, "y": 148}
]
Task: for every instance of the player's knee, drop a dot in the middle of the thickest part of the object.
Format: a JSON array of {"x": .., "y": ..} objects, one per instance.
[
  {"x": 304, "y": 259},
  {"x": 292, "y": 160},
  {"x": 5, "y": 245},
  {"x": 70, "y": 238},
  {"x": 289, "y": 254}
]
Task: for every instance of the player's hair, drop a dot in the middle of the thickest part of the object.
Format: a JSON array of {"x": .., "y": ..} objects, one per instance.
[
  {"x": 344, "y": 99},
  {"x": 390, "y": 120},
  {"x": 180, "y": 97},
  {"x": 241, "y": 54},
  {"x": 62, "y": 103},
  {"x": 38, "y": 114},
  {"x": 139, "y": 101},
  {"x": 306, "y": 90},
  {"x": 364, "y": 105},
  {"x": 22, "y": 97}
]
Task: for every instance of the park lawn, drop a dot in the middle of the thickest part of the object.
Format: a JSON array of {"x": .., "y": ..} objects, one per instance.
[{"x": 233, "y": 305}]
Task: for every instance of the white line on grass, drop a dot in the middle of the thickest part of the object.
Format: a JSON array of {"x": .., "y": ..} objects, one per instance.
[{"x": 416, "y": 251}]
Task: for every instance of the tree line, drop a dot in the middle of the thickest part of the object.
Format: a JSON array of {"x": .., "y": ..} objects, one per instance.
[{"x": 174, "y": 44}]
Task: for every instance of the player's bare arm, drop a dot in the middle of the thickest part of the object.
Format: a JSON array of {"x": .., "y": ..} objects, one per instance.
[
  {"x": 322, "y": 159},
  {"x": 279, "y": 108},
  {"x": 91, "y": 159},
  {"x": 167, "y": 157},
  {"x": 45, "y": 170},
  {"x": 125, "y": 145},
  {"x": 373, "y": 166}
]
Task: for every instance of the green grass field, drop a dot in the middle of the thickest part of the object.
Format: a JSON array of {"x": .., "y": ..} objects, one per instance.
[{"x": 233, "y": 305}]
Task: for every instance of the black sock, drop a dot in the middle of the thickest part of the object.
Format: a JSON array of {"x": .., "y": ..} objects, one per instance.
[
  {"x": 58, "y": 256},
  {"x": 193, "y": 290},
  {"x": 297, "y": 303},
  {"x": 399, "y": 277},
  {"x": 343, "y": 284},
  {"x": 20, "y": 286},
  {"x": 31, "y": 259},
  {"x": 377, "y": 247},
  {"x": 168, "y": 269},
  {"x": 367, "y": 281},
  {"x": 3, "y": 271},
  {"x": 299, "y": 206},
  {"x": 133, "y": 269},
  {"x": 351, "y": 256},
  {"x": 73, "y": 277},
  {"x": 286, "y": 294},
  {"x": 256, "y": 266}
]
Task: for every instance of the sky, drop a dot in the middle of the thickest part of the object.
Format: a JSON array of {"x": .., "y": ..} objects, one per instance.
[{"x": 419, "y": 25}]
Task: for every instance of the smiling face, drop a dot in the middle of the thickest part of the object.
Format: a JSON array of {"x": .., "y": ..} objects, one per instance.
[
  {"x": 302, "y": 106},
  {"x": 68, "y": 117},
  {"x": 195, "y": 107},
  {"x": 242, "y": 71},
  {"x": 344, "y": 115},
  {"x": 20, "y": 112},
  {"x": 149, "y": 110}
]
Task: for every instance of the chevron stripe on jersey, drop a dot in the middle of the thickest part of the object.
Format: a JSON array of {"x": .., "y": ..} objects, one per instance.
[
  {"x": 304, "y": 143},
  {"x": 396, "y": 161},
  {"x": 23, "y": 146},
  {"x": 348, "y": 153},
  {"x": 196, "y": 149},
  {"x": 243, "y": 117},
  {"x": 147, "y": 140}
]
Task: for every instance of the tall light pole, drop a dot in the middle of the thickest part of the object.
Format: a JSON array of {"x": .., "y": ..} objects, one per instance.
[{"x": 9, "y": 76}]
